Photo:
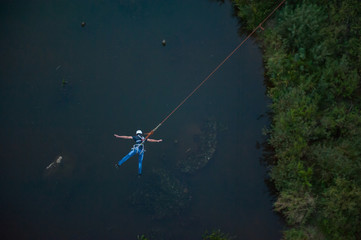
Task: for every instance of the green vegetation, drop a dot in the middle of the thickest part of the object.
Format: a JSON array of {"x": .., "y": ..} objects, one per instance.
[
  {"x": 312, "y": 60},
  {"x": 142, "y": 237},
  {"x": 216, "y": 235},
  {"x": 63, "y": 82}
]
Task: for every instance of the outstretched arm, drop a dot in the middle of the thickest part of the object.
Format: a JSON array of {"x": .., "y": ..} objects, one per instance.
[
  {"x": 124, "y": 137},
  {"x": 154, "y": 140}
]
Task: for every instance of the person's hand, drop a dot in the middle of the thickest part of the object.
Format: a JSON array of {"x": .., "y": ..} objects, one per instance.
[
  {"x": 160, "y": 140},
  {"x": 115, "y": 135}
]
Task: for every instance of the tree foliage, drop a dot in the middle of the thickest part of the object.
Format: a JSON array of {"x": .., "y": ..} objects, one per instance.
[
  {"x": 312, "y": 60},
  {"x": 216, "y": 235}
]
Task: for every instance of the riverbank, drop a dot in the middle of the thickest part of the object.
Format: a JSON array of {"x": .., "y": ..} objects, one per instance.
[{"x": 311, "y": 57}]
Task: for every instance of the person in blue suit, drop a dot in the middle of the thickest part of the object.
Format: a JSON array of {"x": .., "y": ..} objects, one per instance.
[{"x": 138, "y": 148}]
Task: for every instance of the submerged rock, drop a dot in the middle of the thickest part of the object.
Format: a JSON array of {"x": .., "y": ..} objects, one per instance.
[
  {"x": 161, "y": 195},
  {"x": 199, "y": 157}
]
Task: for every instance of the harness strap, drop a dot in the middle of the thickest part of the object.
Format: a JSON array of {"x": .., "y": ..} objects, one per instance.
[{"x": 138, "y": 145}]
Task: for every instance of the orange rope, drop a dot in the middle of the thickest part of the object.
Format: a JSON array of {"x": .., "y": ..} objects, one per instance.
[{"x": 219, "y": 65}]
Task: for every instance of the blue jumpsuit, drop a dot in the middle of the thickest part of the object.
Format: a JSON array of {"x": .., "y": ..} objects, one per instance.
[{"x": 138, "y": 148}]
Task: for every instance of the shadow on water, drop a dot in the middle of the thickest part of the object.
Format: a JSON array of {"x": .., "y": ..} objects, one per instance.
[{"x": 268, "y": 160}]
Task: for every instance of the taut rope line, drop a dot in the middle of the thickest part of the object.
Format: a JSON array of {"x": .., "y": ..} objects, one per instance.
[{"x": 219, "y": 65}]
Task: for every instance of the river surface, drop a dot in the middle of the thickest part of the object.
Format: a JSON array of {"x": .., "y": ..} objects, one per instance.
[{"x": 66, "y": 89}]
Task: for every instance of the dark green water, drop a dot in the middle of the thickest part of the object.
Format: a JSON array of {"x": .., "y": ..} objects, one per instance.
[{"x": 120, "y": 78}]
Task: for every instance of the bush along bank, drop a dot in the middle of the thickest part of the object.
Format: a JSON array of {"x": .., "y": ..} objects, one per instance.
[{"x": 312, "y": 58}]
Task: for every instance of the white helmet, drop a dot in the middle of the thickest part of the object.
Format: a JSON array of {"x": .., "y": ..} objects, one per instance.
[{"x": 139, "y": 132}]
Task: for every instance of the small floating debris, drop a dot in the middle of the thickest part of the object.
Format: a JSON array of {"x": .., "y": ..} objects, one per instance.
[
  {"x": 83, "y": 24},
  {"x": 260, "y": 116},
  {"x": 164, "y": 42},
  {"x": 55, "y": 163},
  {"x": 61, "y": 167},
  {"x": 57, "y": 68},
  {"x": 63, "y": 82}
]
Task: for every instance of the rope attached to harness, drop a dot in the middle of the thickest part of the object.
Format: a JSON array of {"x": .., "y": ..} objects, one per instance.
[{"x": 219, "y": 65}]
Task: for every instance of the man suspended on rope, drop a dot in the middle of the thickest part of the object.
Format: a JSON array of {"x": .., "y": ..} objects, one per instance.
[{"x": 138, "y": 148}]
